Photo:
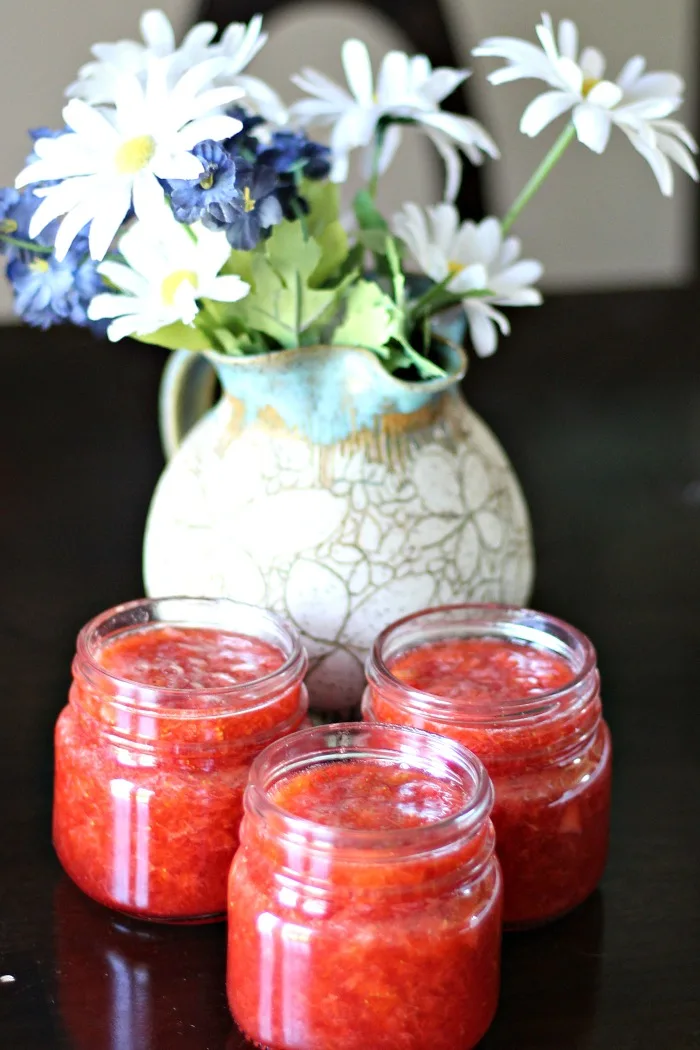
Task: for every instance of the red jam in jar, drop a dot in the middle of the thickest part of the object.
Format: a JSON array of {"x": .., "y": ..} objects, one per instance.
[
  {"x": 171, "y": 700},
  {"x": 365, "y": 900},
  {"x": 522, "y": 691}
]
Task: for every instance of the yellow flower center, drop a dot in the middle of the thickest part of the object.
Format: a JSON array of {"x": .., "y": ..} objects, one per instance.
[
  {"x": 588, "y": 84},
  {"x": 453, "y": 268},
  {"x": 39, "y": 266},
  {"x": 8, "y": 226},
  {"x": 248, "y": 201},
  {"x": 173, "y": 281},
  {"x": 207, "y": 180},
  {"x": 134, "y": 154}
]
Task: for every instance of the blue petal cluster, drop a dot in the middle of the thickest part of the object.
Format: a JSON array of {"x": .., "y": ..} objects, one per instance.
[
  {"x": 47, "y": 292},
  {"x": 251, "y": 214},
  {"x": 247, "y": 186},
  {"x": 191, "y": 200}
]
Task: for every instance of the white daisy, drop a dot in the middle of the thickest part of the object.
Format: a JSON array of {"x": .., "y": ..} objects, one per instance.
[
  {"x": 97, "y": 81},
  {"x": 476, "y": 258},
  {"x": 111, "y": 160},
  {"x": 239, "y": 44},
  {"x": 407, "y": 89},
  {"x": 165, "y": 271},
  {"x": 636, "y": 102}
]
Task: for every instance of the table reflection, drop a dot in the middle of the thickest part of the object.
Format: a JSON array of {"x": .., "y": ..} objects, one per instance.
[
  {"x": 128, "y": 985},
  {"x": 562, "y": 960}
]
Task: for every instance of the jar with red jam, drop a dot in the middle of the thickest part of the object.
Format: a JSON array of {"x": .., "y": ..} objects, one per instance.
[
  {"x": 521, "y": 689},
  {"x": 365, "y": 899},
  {"x": 171, "y": 701}
]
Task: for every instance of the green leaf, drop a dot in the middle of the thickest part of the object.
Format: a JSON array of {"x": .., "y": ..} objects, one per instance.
[
  {"x": 228, "y": 341},
  {"x": 397, "y": 275},
  {"x": 368, "y": 215},
  {"x": 335, "y": 247},
  {"x": 281, "y": 304},
  {"x": 323, "y": 199},
  {"x": 373, "y": 240},
  {"x": 371, "y": 318},
  {"x": 178, "y": 336},
  {"x": 240, "y": 263}
]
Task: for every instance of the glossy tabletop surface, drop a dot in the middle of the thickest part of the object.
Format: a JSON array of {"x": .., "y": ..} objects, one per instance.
[{"x": 597, "y": 400}]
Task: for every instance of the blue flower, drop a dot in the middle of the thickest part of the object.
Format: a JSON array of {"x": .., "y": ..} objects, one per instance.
[
  {"x": 16, "y": 211},
  {"x": 291, "y": 152},
  {"x": 49, "y": 292},
  {"x": 190, "y": 199},
  {"x": 252, "y": 214}
]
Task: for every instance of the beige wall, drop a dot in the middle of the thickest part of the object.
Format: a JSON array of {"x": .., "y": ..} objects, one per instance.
[
  {"x": 600, "y": 222},
  {"x": 44, "y": 44}
]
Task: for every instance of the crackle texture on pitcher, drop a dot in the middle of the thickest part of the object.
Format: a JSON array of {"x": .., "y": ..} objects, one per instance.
[{"x": 326, "y": 489}]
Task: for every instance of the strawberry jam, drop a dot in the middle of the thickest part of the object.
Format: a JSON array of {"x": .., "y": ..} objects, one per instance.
[
  {"x": 170, "y": 702},
  {"x": 521, "y": 690},
  {"x": 365, "y": 900}
]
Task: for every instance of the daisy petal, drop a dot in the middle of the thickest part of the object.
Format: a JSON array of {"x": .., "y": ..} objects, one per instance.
[
  {"x": 393, "y": 83},
  {"x": 227, "y": 289},
  {"x": 72, "y": 224},
  {"x": 157, "y": 32},
  {"x": 125, "y": 326},
  {"x": 390, "y": 144},
  {"x": 568, "y": 39},
  {"x": 358, "y": 70},
  {"x": 631, "y": 72},
  {"x": 442, "y": 83},
  {"x": 678, "y": 153},
  {"x": 109, "y": 213},
  {"x": 452, "y": 161},
  {"x": 122, "y": 277},
  {"x": 604, "y": 94},
  {"x": 216, "y": 128},
  {"x": 593, "y": 127},
  {"x": 109, "y": 304},
  {"x": 543, "y": 110},
  {"x": 58, "y": 201},
  {"x": 592, "y": 63},
  {"x": 87, "y": 121},
  {"x": 659, "y": 164},
  {"x": 148, "y": 198},
  {"x": 482, "y": 330}
]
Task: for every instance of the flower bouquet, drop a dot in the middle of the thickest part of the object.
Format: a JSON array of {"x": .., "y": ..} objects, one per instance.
[{"x": 185, "y": 205}]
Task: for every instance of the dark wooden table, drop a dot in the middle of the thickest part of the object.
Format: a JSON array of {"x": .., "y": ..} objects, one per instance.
[{"x": 597, "y": 399}]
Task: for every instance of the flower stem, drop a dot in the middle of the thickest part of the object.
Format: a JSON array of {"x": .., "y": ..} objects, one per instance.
[
  {"x": 28, "y": 246},
  {"x": 553, "y": 157},
  {"x": 376, "y": 156}
]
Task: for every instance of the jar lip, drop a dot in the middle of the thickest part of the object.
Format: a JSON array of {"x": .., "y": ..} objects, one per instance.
[
  {"x": 463, "y": 823},
  {"x": 495, "y": 618},
  {"x": 293, "y": 666}
]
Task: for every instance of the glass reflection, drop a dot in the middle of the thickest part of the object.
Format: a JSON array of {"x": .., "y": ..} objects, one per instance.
[{"x": 127, "y": 985}]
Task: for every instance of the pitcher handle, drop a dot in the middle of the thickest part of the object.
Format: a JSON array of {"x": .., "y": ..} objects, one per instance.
[{"x": 187, "y": 391}]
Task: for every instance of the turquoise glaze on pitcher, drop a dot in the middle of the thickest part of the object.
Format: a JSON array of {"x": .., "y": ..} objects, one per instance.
[{"x": 328, "y": 490}]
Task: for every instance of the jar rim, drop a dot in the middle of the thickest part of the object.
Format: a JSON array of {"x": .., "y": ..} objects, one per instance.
[
  {"x": 151, "y": 696},
  {"x": 491, "y": 620},
  {"x": 278, "y": 760}
]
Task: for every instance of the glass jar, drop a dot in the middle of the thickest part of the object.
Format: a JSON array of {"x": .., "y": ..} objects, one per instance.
[
  {"x": 171, "y": 700},
  {"x": 521, "y": 689},
  {"x": 365, "y": 900}
]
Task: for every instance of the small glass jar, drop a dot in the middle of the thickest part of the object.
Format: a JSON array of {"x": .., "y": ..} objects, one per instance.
[
  {"x": 520, "y": 689},
  {"x": 365, "y": 900},
  {"x": 171, "y": 700}
]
